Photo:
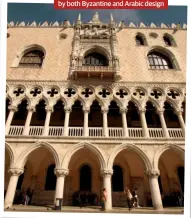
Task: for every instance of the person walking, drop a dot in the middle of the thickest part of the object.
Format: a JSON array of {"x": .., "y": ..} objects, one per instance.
[
  {"x": 129, "y": 197},
  {"x": 104, "y": 199},
  {"x": 135, "y": 198}
]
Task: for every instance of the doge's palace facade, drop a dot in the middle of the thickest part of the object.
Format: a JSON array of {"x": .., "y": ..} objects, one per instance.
[{"x": 95, "y": 105}]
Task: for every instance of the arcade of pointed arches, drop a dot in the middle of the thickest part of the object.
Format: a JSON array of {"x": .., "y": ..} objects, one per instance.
[{"x": 126, "y": 161}]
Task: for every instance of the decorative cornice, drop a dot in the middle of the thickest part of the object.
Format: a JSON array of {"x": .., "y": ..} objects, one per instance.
[{"x": 66, "y": 24}]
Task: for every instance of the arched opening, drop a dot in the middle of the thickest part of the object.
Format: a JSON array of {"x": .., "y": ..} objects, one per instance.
[
  {"x": 133, "y": 118},
  {"x": 180, "y": 171},
  {"x": 117, "y": 179},
  {"x": 152, "y": 117},
  {"x": 50, "y": 178},
  {"x": 38, "y": 178},
  {"x": 95, "y": 115},
  {"x": 170, "y": 117},
  {"x": 172, "y": 181},
  {"x": 77, "y": 115},
  {"x": 21, "y": 115},
  {"x": 95, "y": 59},
  {"x": 140, "y": 40},
  {"x": 85, "y": 178},
  {"x": 132, "y": 176},
  {"x": 7, "y": 109},
  {"x": 58, "y": 115},
  {"x": 33, "y": 59},
  {"x": 39, "y": 116},
  {"x": 158, "y": 60},
  {"x": 114, "y": 116}
]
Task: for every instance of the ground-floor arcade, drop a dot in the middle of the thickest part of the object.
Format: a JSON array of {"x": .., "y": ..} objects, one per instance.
[{"x": 60, "y": 170}]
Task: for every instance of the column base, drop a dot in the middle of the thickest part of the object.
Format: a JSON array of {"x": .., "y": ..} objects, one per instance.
[
  {"x": 158, "y": 208},
  {"x": 7, "y": 205}
]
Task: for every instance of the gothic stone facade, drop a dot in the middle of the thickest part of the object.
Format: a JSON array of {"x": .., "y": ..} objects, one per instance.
[{"x": 95, "y": 105}]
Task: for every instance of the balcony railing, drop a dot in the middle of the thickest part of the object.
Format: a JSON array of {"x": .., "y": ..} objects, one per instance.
[
  {"x": 94, "y": 132},
  {"x": 94, "y": 69}
]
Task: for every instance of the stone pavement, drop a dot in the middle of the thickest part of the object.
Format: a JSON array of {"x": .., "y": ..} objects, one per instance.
[{"x": 95, "y": 209}]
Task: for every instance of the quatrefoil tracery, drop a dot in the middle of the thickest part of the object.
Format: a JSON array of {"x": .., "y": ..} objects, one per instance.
[
  {"x": 121, "y": 93},
  {"x": 69, "y": 92},
  {"x": 173, "y": 94},
  {"x": 156, "y": 93},
  {"x": 52, "y": 92},
  {"x": 18, "y": 91},
  {"x": 139, "y": 93},
  {"x": 35, "y": 91}
]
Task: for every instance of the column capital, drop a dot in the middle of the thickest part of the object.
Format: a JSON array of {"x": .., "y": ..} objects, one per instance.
[
  {"x": 107, "y": 172},
  {"x": 86, "y": 109},
  {"x": 152, "y": 173},
  {"x": 161, "y": 111},
  {"x": 61, "y": 172},
  {"x": 13, "y": 108},
  {"x": 141, "y": 110},
  {"x": 104, "y": 109},
  {"x": 16, "y": 171},
  {"x": 67, "y": 109},
  {"x": 31, "y": 108},
  {"x": 178, "y": 112},
  {"x": 123, "y": 110},
  {"x": 49, "y": 109}
]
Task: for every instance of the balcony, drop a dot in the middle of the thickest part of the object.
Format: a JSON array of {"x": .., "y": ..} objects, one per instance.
[
  {"x": 102, "y": 72},
  {"x": 96, "y": 132}
]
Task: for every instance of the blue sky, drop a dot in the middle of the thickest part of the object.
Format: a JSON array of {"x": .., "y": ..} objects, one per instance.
[{"x": 41, "y": 12}]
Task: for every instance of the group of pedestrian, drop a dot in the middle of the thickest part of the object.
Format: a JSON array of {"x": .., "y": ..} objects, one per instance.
[
  {"x": 132, "y": 198},
  {"x": 83, "y": 199}
]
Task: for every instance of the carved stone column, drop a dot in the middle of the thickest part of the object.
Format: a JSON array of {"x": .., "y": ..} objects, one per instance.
[
  {"x": 12, "y": 110},
  {"x": 124, "y": 121},
  {"x": 49, "y": 110},
  {"x": 163, "y": 123},
  {"x": 105, "y": 125},
  {"x": 86, "y": 130},
  {"x": 143, "y": 122},
  {"x": 61, "y": 174},
  {"x": 66, "y": 120},
  {"x": 15, "y": 173},
  {"x": 106, "y": 174},
  {"x": 181, "y": 121},
  {"x": 154, "y": 187},
  {"x": 28, "y": 120}
]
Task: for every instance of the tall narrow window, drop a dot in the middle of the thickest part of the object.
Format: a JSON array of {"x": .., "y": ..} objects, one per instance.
[
  {"x": 117, "y": 179},
  {"x": 181, "y": 177},
  {"x": 50, "y": 178},
  {"x": 159, "y": 61},
  {"x": 32, "y": 59}
]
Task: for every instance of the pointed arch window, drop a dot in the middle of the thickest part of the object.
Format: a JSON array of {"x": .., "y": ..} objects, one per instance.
[
  {"x": 158, "y": 60},
  {"x": 32, "y": 59}
]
